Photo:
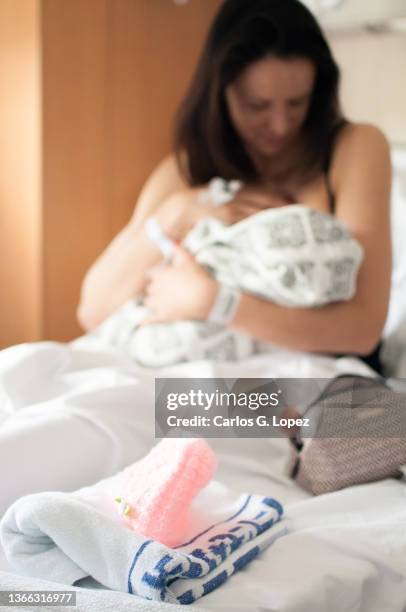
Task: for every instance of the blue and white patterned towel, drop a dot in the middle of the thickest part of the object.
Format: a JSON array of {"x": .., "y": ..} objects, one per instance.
[{"x": 67, "y": 537}]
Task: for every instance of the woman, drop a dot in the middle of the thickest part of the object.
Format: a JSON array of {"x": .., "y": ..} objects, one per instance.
[{"x": 262, "y": 107}]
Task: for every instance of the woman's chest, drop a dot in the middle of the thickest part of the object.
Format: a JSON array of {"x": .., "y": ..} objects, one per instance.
[{"x": 316, "y": 194}]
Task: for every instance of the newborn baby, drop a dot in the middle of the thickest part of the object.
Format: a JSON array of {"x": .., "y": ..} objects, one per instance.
[{"x": 292, "y": 255}]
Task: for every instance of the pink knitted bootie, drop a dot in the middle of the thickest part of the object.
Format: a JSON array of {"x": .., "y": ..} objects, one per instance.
[{"x": 154, "y": 494}]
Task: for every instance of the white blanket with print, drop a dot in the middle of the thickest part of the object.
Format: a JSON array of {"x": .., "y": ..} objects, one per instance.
[{"x": 293, "y": 255}]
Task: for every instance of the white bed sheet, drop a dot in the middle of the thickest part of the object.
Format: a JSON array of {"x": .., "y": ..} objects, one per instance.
[{"x": 347, "y": 550}]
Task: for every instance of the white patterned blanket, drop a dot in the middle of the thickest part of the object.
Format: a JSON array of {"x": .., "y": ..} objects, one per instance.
[{"x": 293, "y": 256}]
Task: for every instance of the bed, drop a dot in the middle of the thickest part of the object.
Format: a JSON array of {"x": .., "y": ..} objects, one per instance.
[{"x": 345, "y": 551}]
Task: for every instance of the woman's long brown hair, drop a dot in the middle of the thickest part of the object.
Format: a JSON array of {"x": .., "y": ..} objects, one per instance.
[{"x": 244, "y": 31}]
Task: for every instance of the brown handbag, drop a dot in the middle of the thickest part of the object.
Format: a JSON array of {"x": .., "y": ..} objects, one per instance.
[{"x": 357, "y": 435}]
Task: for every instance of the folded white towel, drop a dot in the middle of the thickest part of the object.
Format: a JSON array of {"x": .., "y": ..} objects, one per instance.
[{"x": 67, "y": 537}]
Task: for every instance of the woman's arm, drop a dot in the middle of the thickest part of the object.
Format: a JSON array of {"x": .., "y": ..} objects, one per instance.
[
  {"x": 119, "y": 271},
  {"x": 361, "y": 180},
  {"x": 361, "y": 177}
]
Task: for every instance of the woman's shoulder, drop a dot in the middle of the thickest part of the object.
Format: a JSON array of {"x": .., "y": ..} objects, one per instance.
[
  {"x": 358, "y": 143},
  {"x": 165, "y": 180},
  {"x": 169, "y": 173},
  {"x": 360, "y": 138}
]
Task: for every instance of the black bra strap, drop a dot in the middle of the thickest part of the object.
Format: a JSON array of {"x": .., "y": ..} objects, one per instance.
[{"x": 331, "y": 197}]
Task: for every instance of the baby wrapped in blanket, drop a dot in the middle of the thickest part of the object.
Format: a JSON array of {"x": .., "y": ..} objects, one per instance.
[{"x": 293, "y": 256}]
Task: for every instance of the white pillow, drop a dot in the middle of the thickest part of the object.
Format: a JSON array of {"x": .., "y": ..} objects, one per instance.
[{"x": 394, "y": 346}]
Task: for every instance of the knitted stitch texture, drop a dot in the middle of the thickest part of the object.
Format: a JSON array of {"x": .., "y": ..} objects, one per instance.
[{"x": 155, "y": 493}]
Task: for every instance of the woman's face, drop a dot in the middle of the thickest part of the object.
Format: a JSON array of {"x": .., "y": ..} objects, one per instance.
[{"x": 269, "y": 101}]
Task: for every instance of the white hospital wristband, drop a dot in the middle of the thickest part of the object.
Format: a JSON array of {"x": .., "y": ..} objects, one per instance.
[{"x": 225, "y": 305}]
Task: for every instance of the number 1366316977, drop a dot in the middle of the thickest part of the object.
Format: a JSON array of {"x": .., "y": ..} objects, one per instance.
[{"x": 40, "y": 598}]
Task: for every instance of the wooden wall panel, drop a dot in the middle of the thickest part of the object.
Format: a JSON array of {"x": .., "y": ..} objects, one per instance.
[
  {"x": 74, "y": 153},
  {"x": 20, "y": 166},
  {"x": 92, "y": 86},
  {"x": 114, "y": 72},
  {"x": 153, "y": 48}
]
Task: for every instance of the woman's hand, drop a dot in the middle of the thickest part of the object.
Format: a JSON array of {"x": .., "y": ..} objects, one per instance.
[{"x": 181, "y": 290}]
